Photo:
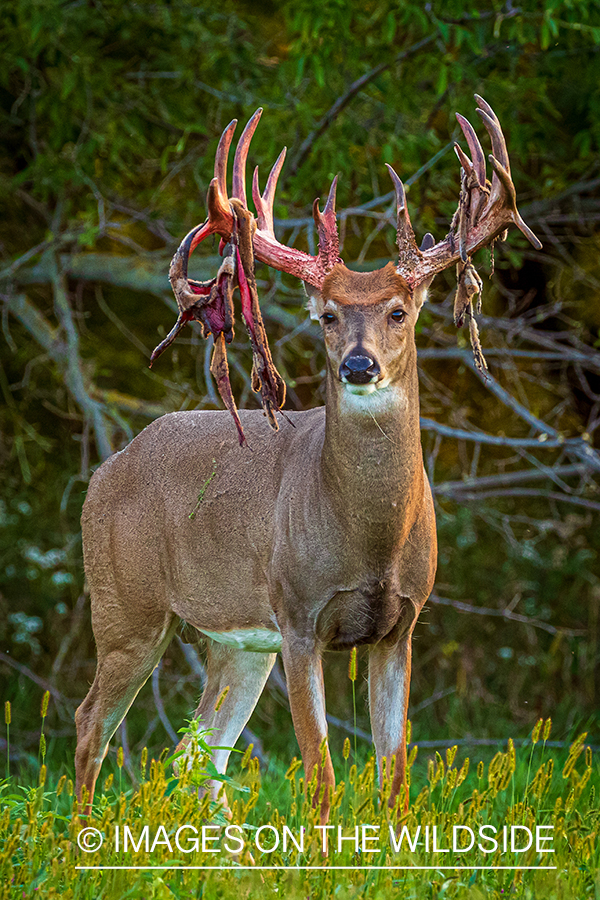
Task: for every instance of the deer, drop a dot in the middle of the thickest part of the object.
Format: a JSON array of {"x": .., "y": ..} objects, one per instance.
[{"x": 320, "y": 538}]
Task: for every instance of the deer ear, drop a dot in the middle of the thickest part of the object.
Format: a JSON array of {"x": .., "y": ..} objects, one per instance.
[
  {"x": 420, "y": 293},
  {"x": 314, "y": 302}
]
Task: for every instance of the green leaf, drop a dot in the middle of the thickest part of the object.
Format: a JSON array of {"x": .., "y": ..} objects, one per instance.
[
  {"x": 389, "y": 30},
  {"x": 319, "y": 71},
  {"x": 442, "y": 80},
  {"x": 68, "y": 83}
]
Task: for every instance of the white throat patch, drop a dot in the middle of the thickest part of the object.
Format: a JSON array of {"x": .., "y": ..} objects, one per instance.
[{"x": 372, "y": 398}]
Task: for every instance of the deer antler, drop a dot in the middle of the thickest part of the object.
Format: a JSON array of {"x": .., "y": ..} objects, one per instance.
[
  {"x": 267, "y": 248},
  {"x": 242, "y": 238},
  {"x": 484, "y": 213}
]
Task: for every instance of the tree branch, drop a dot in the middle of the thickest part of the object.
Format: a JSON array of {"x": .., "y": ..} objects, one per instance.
[
  {"x": 506, "y": 478},
  {"x": 64, "y": 354},
  {"x": 138, "y": 273},
  {"x": 529, "y": 492},
  {"x": 41, "y": 682},
  {"x": 577, "y": 446},
  {"x": 160, "y": 708},
  {"x": 482, "y": 437},
  {"x": 505, "y": 614},
  {"x": 73, "y": 375},
  {"x": 566, "y": 354}
]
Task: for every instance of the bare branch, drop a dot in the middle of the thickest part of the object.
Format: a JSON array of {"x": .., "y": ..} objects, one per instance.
[
  {"x": 506, "y": 478},
  {"x": 506, "y": 614},
  {"x": 429, "y": 701},
  {"x": 590, "y": 360},
  {"x": 484, "y": 438},
  {"x": 128, "y": 403},
  {"x": 530, "y": 492},
  {"x": 73, "y": 374},
  {"x": 108, "y": 312},
  {"x": 139, "y": 273},
  {"x": 64, "y": 354},
  {"x": 41, "y": 682},
  {"x": 576, "y": 446}
]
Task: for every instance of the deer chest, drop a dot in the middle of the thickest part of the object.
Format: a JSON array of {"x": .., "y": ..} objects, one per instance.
[{"x": 355, "y": 617}]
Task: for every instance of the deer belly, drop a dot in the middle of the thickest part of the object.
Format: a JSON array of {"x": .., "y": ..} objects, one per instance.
[{"x": 259, "y": 640}]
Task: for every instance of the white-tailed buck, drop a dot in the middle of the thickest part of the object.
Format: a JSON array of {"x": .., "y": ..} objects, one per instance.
[{"x": 321, "y": 538}]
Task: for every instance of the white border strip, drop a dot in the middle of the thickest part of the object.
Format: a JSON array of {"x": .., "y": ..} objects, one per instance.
[{"x": 313, "y": 868}]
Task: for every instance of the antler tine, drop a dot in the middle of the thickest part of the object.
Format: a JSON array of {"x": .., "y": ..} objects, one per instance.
[
  {"x": 498, "y": 143},
  {"x": 219, "y": 213},
  {"x": 500, "y": 163},
  {"x": 329, "y": 241},
  {"x": 329, "y": 208},
  {"x": 220, "y": 217},
  {"x": 464, "y": 160},
  {"x": 262, "y": 212},
  {"x": 474, "y": 190},
  {"x": 238, "y": 188},
  {"x": 179, "y": 264},
  {"x": 273, "y": 178},
  {"x": 494, "y": 129},
  {"x": 264, "y": 204},
  {"x": 409, "y": 253},
  {"x": 504, "y": 178},
  {"x": 330, "y": 205},
  {"x": 475, "y": 148},
  {"x": 492, "y": 125},
  {"x": 185, "y": 295},
  {"x": 400, "y": 192},
  {"x": 222, "y": 156}
]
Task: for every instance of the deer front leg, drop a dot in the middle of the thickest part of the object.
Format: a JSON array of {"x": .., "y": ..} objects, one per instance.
[
  {"x": 389, "y": 683},
  {"x": 304, "y": 676}
]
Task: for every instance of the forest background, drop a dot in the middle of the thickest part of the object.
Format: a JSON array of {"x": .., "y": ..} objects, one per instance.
[{"x": 110, "y": 114}]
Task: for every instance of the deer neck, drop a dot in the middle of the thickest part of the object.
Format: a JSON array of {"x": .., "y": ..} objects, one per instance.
[{"x": 372, "y": 462}]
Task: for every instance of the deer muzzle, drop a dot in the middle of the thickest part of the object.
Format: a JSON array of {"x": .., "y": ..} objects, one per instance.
[{"x": 359, "y": 369}]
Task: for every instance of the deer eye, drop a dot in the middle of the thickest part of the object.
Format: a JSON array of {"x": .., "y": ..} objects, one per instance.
[
  {"x": 398, "y": 315},
  {"x": 328, "y": 319}
]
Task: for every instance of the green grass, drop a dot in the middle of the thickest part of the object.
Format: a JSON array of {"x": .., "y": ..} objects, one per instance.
[{"x": 39, "y": 826}]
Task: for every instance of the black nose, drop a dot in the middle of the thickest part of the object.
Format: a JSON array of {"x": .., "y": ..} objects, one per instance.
[{"x": 359, "y": 369}]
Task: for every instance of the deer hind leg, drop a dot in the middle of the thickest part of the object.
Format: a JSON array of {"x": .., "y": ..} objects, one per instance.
[
  {"x": 125, "y": 662},
  {"x": 245, "y": 673}
]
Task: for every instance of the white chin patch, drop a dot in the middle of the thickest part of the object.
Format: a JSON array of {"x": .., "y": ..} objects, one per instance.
[{"x": 361, "y": 390}]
